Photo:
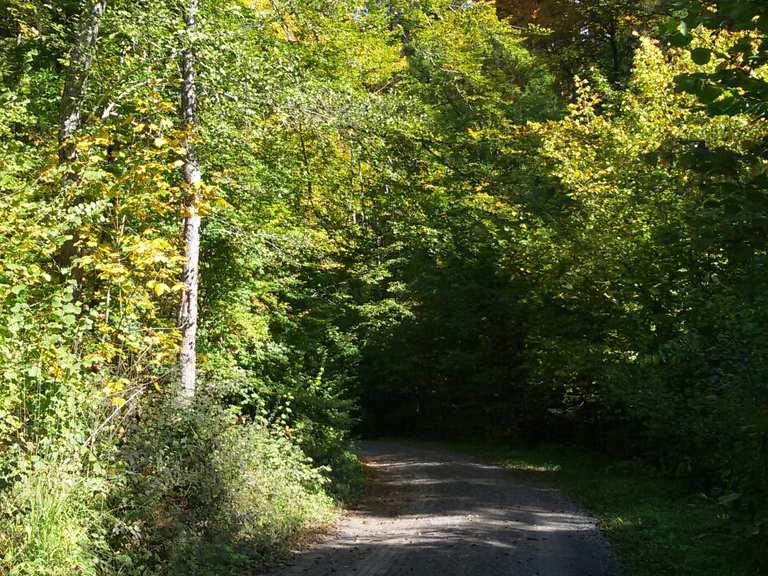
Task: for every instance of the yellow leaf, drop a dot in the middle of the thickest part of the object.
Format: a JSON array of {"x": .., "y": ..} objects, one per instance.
[{"x": 161, "y": 289}]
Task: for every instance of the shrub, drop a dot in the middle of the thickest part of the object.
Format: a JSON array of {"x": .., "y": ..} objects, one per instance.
[{"x": 209, "y": 493}]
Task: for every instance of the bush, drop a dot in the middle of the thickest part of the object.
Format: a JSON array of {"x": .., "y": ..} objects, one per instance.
[{"x": 209, "y": 494}]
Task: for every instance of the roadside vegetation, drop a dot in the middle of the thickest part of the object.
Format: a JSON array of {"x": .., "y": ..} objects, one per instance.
[{"x": 657, "y": 525}]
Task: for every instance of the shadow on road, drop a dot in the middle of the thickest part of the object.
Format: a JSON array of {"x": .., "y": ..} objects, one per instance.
[{"x": 430, "y": 512}]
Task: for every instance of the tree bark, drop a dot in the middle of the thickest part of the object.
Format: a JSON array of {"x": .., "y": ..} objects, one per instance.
[
  {"x": 192, "y": 220},
  {"x": 70, "y": 112},
  {"x": 81, "y": 59}
]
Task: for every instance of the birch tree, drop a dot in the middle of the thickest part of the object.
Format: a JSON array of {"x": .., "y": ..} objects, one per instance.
[{"x": 192, "y": 220}]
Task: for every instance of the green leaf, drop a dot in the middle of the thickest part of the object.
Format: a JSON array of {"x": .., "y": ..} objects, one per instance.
[
  {"x": 679, "y": 40},
  {"x": 93, "y": 175},
  {"x": 71, "y": 309},
  {"x": 709, "y": 93},
  {"x": 701, "y": 56}
]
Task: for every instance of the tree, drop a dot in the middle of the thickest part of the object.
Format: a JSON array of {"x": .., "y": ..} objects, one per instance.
[
  {"x": 188, "y": 315},
  {"x": 586, "y": 37},
  {"x": 75, "y": 83},
  {"x": 738, "y": 84},
  {"x": 71, "y": 105}
]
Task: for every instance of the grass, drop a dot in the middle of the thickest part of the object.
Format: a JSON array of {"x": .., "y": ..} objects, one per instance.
[
  {"x": 656, "y": 524},
  {"x": 51, "y": 524}
]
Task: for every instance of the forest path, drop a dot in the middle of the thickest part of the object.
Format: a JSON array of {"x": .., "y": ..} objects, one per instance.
[{"x": 431, "y": 512}]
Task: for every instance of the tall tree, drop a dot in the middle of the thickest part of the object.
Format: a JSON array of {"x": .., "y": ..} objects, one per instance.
[
  {"x": 585, "y": 36},
  {"x": 193, "y": 176},
  {"x": 71, "y": 105},
  {"x": 81, "y": 60}
]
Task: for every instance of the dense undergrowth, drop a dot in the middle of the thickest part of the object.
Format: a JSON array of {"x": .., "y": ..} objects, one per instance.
[{"x": 189, "y": 492}]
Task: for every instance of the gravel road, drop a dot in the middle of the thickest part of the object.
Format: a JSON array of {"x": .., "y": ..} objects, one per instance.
[{"x": 435, "y": 513}]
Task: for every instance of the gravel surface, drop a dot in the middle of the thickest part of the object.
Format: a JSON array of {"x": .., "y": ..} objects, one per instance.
[{"x": 435, "y": 513}]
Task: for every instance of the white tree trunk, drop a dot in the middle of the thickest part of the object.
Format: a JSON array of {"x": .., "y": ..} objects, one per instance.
[{"x": 193, "y": 177}]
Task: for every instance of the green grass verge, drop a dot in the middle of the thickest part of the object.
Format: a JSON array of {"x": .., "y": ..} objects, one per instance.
[{"x": 656, "y": 524}]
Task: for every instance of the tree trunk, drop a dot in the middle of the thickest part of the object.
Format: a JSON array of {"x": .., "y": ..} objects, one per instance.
[
  {"x": 193, "y": 177},
  {"x": 70, "y": 110}
]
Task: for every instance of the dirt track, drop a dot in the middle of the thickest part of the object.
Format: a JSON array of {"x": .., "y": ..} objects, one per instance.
[{"x": 435, "y": 513}]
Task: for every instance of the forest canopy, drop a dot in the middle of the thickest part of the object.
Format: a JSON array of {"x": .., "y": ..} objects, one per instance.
[{"x": 234, "y": 234}]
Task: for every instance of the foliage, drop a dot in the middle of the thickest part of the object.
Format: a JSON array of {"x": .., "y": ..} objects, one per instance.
[
  {"x": 407, "y": 228},
  {"x": 590, "y": 38},
  {"x": 55, "y": 521},
  {"x": 209, "y": 494},
  {"x": 656, "y": 286},
  {"x": 737, "y": 85}
]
